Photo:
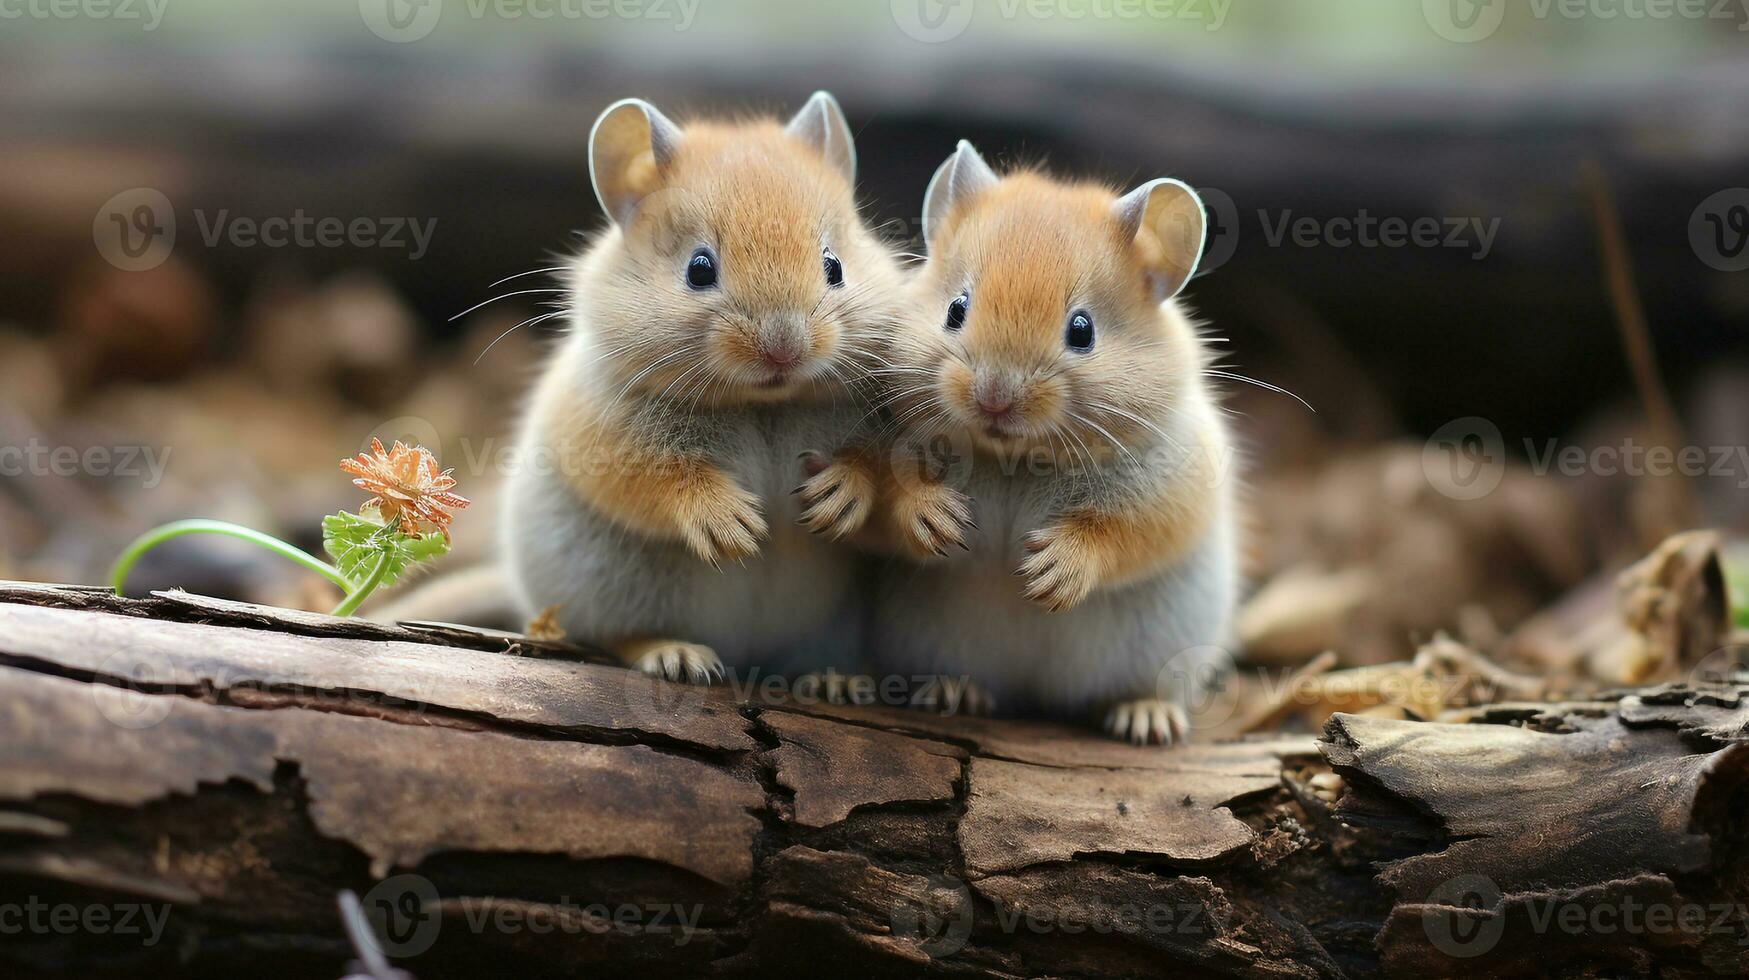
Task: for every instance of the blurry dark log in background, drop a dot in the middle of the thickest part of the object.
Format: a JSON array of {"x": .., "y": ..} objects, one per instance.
[{"x": 258, "y": 366}]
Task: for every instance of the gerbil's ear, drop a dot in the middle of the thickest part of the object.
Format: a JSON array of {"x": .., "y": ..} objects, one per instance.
[
  {"x": 629, "y": 148},
  {"x": 962, "y": 176},
  {"x": 821, "y": 125},
  {"x": 1165, "y": 219}
]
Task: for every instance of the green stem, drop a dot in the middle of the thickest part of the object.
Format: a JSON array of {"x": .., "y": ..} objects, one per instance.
[
  {"x": 118, "y": 573},
  {"x": 365, "y": 588}
]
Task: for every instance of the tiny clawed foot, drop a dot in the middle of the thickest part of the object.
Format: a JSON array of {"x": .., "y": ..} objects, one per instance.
[
  {"x": 1148, "y": 721},
  {"x": 689, "y": 663}
]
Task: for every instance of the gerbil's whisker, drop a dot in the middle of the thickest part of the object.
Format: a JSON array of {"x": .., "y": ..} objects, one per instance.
[
  {"x": 520, "y": 292},
  {"x": 1231, "y": 376},
  {"x": 531, "y": 272},
  {"x": 1131, "y": 416},
  {"x": 531, "y": 321},
  {"x": 1095, "y": 426}
]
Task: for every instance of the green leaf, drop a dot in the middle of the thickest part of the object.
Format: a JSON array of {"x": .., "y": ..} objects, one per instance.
[
  {"x": 357, "y": 543},
  {"x": 1737, "y": 580}
]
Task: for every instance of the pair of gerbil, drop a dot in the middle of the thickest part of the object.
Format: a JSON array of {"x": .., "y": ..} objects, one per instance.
[{"x": 1021, "y": 425}]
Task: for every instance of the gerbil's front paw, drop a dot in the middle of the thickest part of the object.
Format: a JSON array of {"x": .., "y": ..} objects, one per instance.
[
  {"x": 837, "y": 500},
  {"x": 674, "y": 660},
  {"x": 831, "y": 687},
  {"x": 953, "y": 696},
  {"x": 721, "y": 522},
  {"x": 1060, "y": 569},
  {"x": 932, "y": 516},
  {"x": 1148, "y": 721}
]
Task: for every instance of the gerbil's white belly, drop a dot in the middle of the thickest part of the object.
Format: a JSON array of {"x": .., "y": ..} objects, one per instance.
[
  {"x": 965, "y": 615},
  {"x": 794, "y": 606}
]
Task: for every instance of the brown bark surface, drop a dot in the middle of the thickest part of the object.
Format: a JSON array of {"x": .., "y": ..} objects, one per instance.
[{"x": 519, "y": 808}]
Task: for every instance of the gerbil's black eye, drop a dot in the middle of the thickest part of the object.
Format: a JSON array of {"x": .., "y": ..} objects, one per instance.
[
  {"x": 834, "y": 269},
  {"x": 1080, "y": 333},
  {"x": 701, "y": 269},
  {"x": 956, "y": 312}
]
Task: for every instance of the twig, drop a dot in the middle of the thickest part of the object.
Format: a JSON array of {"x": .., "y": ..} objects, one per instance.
[{"x": 1630, "y": 315}]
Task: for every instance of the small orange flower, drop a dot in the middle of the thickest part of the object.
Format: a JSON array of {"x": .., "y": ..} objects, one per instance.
[{"x": 407, "y": 485}]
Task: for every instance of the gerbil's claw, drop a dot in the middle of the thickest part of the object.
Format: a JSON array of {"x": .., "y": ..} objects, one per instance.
[
  {"x": 832, "y": 687},
  {"x": 948, "y": 695},
  {"x": 1059, "y": 572},
  {"x": 1148, "y": 721},
  {"x": 837, "y": 501},
  {"x": 725, "y": 524},
  {"x": 689, "y": 663}
]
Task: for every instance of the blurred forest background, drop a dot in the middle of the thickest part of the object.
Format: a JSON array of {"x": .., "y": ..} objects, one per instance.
[{"x": 145, "y": 145}]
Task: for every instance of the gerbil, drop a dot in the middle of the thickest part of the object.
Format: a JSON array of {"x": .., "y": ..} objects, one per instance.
[
  {"x": 713, "y": 330},
  {"x": 1045, "y": 349}
]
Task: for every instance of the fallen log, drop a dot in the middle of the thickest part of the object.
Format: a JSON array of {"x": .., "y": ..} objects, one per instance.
[{"x": 187, "y": 785}]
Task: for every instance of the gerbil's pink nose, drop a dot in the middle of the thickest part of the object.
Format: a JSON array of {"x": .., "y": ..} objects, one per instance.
[
  {"x": 782, "y": 354},
  {"x": 994, "y": 394},
  {"x": 994, "y": 403}
]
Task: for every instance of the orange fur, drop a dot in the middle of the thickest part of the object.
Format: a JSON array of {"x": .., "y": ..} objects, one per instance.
[
  {"x": 768, "y": 205},
  {"x": 1029, "y": 251},
  {"x": 646, "y": 486}
]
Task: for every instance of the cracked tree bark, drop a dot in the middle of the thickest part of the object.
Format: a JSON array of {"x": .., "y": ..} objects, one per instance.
[{"x": 523, "y": 808}]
